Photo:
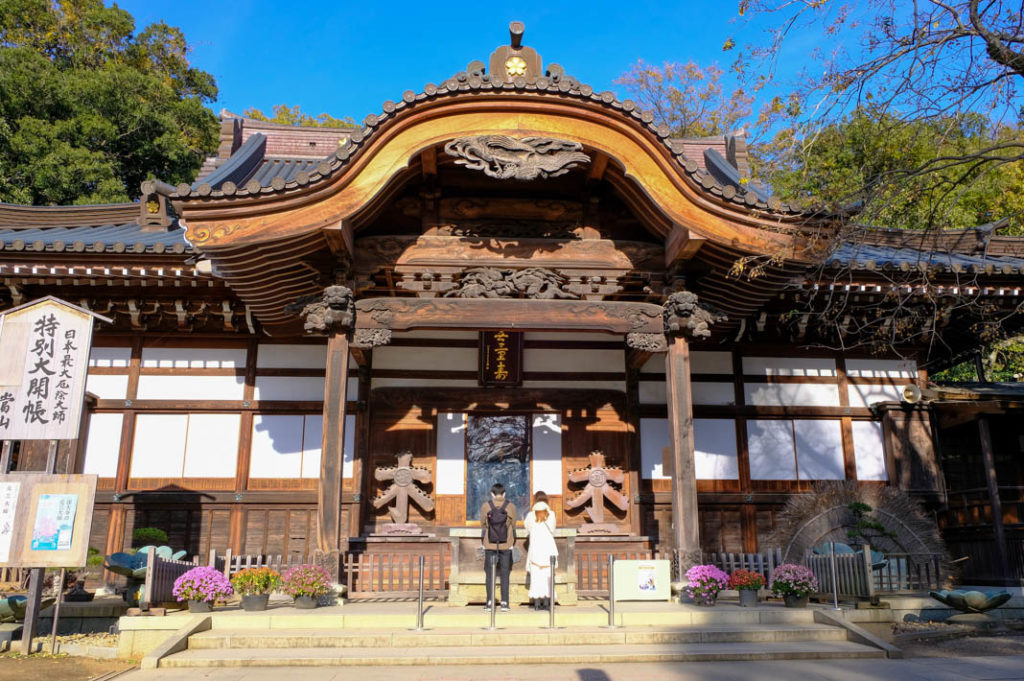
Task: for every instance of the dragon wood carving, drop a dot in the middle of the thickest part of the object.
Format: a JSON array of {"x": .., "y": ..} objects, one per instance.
[
  {"x": 531, "y": 282},
  {"x": 529, "y": 158}
]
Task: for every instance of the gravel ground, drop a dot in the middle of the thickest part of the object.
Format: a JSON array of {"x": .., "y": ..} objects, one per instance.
[
  {"x": 57, "y": 668},
  {"x": 962, "y": 641}
]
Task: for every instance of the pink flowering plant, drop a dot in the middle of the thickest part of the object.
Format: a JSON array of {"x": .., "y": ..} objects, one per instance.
[
  {"x": 790, "y": 578},
  {"x": 706, "y": 581},
  {"x": 202, "y": 584},
  {"x": 306, "y": 580}
]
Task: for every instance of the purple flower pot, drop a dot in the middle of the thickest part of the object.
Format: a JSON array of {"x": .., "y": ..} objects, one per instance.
[
  {"x": 199, "y": 606},
  {"x": 705, "y": 600},
  {"x": 794, "y": 601},
  {"x": 305, "y": 602}
]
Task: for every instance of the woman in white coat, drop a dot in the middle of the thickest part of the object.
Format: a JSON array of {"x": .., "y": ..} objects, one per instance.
[{"x": 540, "y": 528}]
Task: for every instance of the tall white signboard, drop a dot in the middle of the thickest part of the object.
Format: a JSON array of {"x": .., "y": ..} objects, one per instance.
[{"x": 44, "y": 347}]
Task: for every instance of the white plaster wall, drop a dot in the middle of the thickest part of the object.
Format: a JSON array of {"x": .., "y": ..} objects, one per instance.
[
  {"x": 451, "y": 453},
  {"x": 421, "y": 383},
  {"x": 770, "y": 445},
  {"x": 110, "y": 357},
  {"x": 654, "y": 365},
  {"x": 416, "y": 358},
  {"x": 576, "y": 385},
  {"x": 707, "y": 362},
  {"x": 573, "y": 336},
  {"x": 869, "y": 449},
  {"x": 103, "y": 445},
  {"x": 107, "y": 386},
  {"x": 791, "y": 394},
  {"x": 653, "y": 441},
  {"x": 861, "y": 395},
  {"x": 713, "y": 393},
  {"x": 547, "y": 453},
  {"x": 432, "y": 333},
  {"x": 296, "y": 388},
  {"x": 193, "y": 358},
  {"x": 191, "y": 387},
  {"x": 211, "y": 450},
  {"x": 276, "y": 449},
  {"x": 158, "y": 450},
  {"x": 819, "y": 449},
  {"x": 652, "y": 392},
  {"x": 714, "y": 444},
  {"x": 882, "y": 368},
  {"x": 788, "y": 366},
  {"x": 574, "y": 360},
  {"x": 273, "y": 356}
]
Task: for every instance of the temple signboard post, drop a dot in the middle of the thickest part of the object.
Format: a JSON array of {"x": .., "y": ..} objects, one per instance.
[{"x": 45, "y": 518}]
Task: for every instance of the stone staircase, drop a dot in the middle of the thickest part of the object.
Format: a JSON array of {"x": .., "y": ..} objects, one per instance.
[{"x": 689, "y": 636}]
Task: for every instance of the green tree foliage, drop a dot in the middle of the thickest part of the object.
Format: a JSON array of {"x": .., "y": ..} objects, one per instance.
[
  {"x": 89, "y": 109},
  {"x": 689, "y": 99},
  {"x": 899, "y": 173},
  {"x": 293, "y": 115}
]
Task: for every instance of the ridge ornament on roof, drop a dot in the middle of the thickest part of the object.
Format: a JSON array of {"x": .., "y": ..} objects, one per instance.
[{"x": 503, "y": 157}]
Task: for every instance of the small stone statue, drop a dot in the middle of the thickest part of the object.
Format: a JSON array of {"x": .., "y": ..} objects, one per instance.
[{"x": 401, "y": 488}]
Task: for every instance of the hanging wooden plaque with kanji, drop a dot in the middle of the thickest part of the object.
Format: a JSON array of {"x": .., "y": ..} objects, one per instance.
[{"x": 501, "y": 358}]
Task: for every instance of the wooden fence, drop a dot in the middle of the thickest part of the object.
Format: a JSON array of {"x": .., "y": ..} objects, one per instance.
[
  {"x": 395, "y": 575},
  {"x": 858, "y": 578},
  {"x": 762, "y": 563},
  {"x": 160, "y": 576}
]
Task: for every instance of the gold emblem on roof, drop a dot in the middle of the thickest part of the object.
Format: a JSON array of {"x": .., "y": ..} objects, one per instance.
[{"x": 515, "y": 66}]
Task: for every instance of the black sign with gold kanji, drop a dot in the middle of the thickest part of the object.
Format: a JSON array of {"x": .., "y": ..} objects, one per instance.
[{"x": 501, "y": 358}]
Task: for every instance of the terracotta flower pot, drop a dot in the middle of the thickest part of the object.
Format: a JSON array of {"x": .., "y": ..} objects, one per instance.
[
  {"x": 199, "y": 606},
  {"x": 748, "y": 598},
  {"x": 305, "y": 602},
  {"x": 794, "y": 601},
  {"x": 255, "y": 602}
]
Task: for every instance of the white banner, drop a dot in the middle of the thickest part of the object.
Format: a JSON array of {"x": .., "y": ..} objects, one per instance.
[{"x": 45, "y": 346}]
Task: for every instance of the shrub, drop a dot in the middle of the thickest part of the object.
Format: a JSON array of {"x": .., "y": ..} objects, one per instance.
[
  {"x": 94, "y": 559},
  {"x": 142, "y": 536},
  {"x": 790, "y": 578},
  {"x": 306, "y": 580},
  {"x": 746, "y": 579},
  {"x": 706, "y": 581},
  {"x": 202, "y": 584},
  {"x": 255, "y": 581}
]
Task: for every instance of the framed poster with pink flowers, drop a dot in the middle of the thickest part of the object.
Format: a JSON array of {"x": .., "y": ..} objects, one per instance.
[{"x": 46, "y": 523}]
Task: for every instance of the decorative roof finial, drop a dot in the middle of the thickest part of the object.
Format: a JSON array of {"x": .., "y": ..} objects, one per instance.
[{"x": 515, "y": 31}]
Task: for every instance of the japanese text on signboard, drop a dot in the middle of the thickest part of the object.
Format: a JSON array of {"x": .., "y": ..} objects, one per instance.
[{"x": 501, "y": 357}]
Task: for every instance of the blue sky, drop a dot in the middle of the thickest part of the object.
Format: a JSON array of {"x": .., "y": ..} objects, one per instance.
[{"x": 347, "y": 58}]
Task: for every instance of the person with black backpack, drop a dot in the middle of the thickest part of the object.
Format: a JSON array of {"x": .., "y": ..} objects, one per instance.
[{"x": 498, "y": 521}]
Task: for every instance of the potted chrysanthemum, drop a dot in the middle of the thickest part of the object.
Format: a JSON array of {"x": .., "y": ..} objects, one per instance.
[
  {"x": 748, "y": 583},
  {"x": 254, "y": 586},
  {"x": 794, "y": 583},
  {"x": 200, "y": 587},
  {"x": 705, "y": 581},
  {"x": 306, "y": 584}
]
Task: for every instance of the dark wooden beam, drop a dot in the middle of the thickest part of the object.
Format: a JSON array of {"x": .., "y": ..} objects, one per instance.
[
  {"x": 429, "y": 160},
  {"x": 681, "y": 245},
  {"x": 988, "y": 462}
]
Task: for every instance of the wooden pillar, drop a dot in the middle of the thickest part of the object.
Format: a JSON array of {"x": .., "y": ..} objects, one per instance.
[
  {"x": 330, "y": 540},
  {"x": 633, "y": 419},
  {"x": 362, "y": 446},
  {"x": 988, "y": 461},
  {"x": 685, "y": 522}
]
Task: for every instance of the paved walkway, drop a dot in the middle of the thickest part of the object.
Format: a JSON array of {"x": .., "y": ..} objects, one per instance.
[{"x": 918, "y": 669}]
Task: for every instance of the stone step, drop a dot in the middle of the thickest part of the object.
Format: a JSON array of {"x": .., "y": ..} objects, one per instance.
[
  {"x": 520, "y": 654},
  {"x": 467, "y": 618},
  {"x": 244, "y": 639}
]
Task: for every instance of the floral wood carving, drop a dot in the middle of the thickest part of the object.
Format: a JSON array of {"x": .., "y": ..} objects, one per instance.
[
  {"x": 371, "y": 338},
  {"x": 648, "y": 342},
  {"x": 532, "y": 282},
  {"x": 402, "y": 488},
  {"x": 333, "y": 310},
  {"x": 685, "y": 315},
  {"x": 529, "y": 158},
  {"x": 597, "y": 476}
]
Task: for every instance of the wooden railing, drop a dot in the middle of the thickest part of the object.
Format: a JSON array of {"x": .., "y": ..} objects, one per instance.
[
  {"x": 160, "y": 576},
  {"x": 852, "y": 572},
  {"x": 857, "y": 578},
  {"x": 9, "y": 575},
  {"x": 592, "y": 568},
  {"x": 374, "y": 575}
]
